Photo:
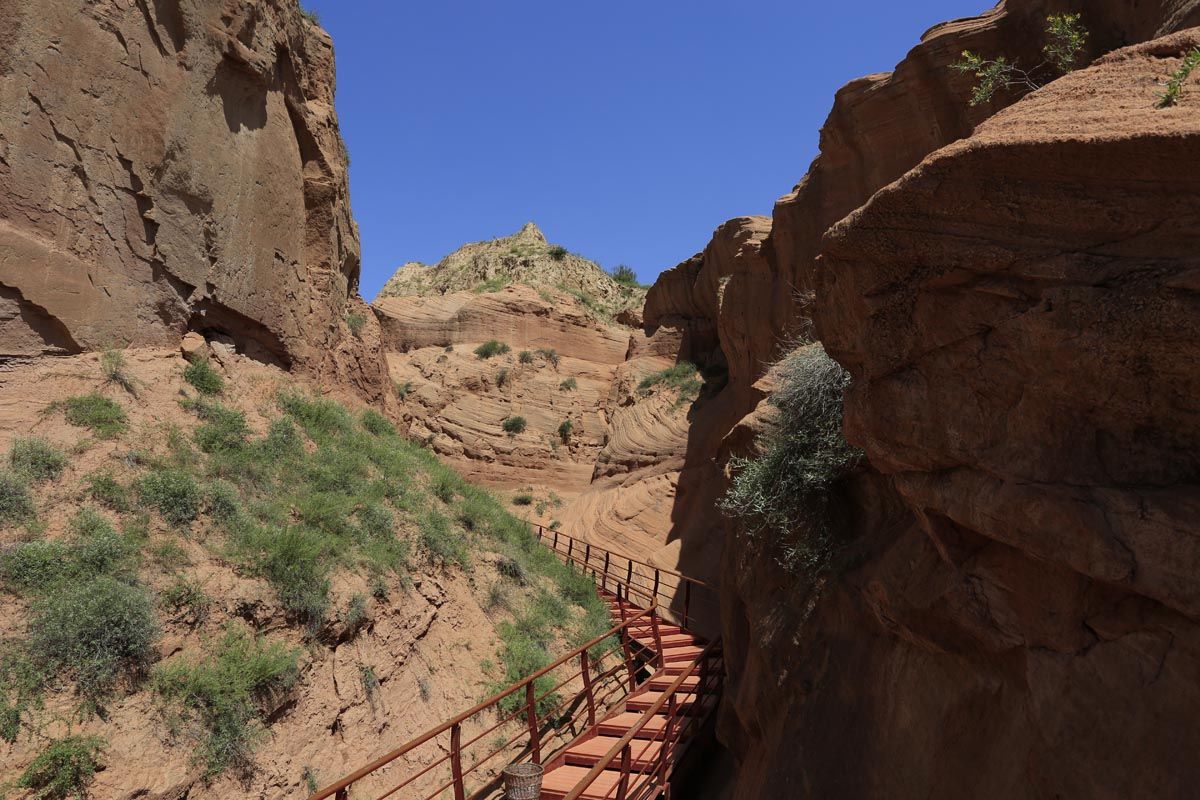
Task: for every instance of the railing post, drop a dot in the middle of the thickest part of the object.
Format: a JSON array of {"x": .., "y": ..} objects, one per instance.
[
  {"x": 623, "y": 786},
  {"x": 687, "y": 601},
  {"x": 585, "y": 667},
  {"x": 456, "y": 761},
  {"x": 621, "y": 603},
  {"x": 629, "y": 573},
  {"x": 540, "y": 532},
  {"x": 556, "y": 541},
  {"x": 658, "y": 648},
  {"x": 587, "y": 558},
  {"x": 656, "y": 577},
  {"x": 628, "y": 656},
  {"x": 604, "y": 580},
  {"x": 342, "y": 794},
  {"x": 570, "y": 551},
  {"x": 535, "y": 743}
]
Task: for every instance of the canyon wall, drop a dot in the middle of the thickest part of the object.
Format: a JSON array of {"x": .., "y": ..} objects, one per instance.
[
  {"x": 1017, "y": 315},
  {"x": 176, "y": 166}
]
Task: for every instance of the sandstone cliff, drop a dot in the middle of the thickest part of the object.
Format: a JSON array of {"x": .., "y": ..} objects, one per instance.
[{"x": 176, "y": 166}]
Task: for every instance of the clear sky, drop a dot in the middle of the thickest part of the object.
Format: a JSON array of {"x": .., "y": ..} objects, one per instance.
[{"x": 626, "y": 129}]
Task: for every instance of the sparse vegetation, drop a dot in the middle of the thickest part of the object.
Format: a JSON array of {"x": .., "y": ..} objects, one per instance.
[
  {"x": 1176, "y": 80},
  {"x": 493, "y": 284},
  {"x": 95, "y": 411},
  {"x": 377, "y": 424},
  {"x": 1065, "y": 41},
  {"x": 569, "y": 385},
  {"x": 200, "y": 374},
  {"x": 16, "y": 504},
  {"x": 625, "y": 275},
  {"x": 36, "y": 459},
  {"x": 442, "y": 541},
  {"x": 502, "y": 378},
  {"x": 787, "y": 492},
  {"x": 557, "y": 252},
  {"x": 402, "y": 389},
  {"x": 565, "y": 429},
  {"x": 356, "y": 322},
  {"x": 370, "y": 682},
  {"x": 310, "y": 15},
  {"x": 174, "y": 493},
  {"x": 550, "y": 354},
  {"x": 108, "y": 491},
  {"x": 112, "y": 364},
  {"x": 226, "y": 693},
  {"x": 513, "y": 425},
  {"x": 64, "y": 769},
  {"x": 525, "y": 357},
  {"x": 683, "y": 378},
  {"x": 491, "y": 348},
  {"x": 96, "y": 631},
  {"x": 522, "y": 499}
]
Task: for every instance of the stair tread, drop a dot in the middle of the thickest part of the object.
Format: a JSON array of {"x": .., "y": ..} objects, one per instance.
[{"x": 589, "y": 752}]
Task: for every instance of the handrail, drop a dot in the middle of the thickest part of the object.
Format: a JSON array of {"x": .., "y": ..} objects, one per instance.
[
  {"x": 338, "y": 789},
  {"x": 542, "y": 531},
  {"x": 667, "y": 696}
]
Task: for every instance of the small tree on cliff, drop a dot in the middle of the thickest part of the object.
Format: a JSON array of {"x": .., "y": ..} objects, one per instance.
[{"x": 1065, "y": 40}]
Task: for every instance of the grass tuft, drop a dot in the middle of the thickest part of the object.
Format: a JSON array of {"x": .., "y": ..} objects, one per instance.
[
  {"x": 491, "y": 348},
  {"x": 64, "y": 769},
  {"x": 97, "y": 412},
  {"x": 36, "y": 459},
  {"x": 513, "y": 425},
  {"x": 201, "y": 375}
]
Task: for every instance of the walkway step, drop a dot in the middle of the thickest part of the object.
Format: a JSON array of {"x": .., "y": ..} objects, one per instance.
[
  {"x": 588, "y": 753},
  {"x": 661, "y": 681},
  {"x": 682, "y": 653},
  {"x": 621, "y": 724},
  {"x": 674, "y": 640},
  {"x": 642, "y": 700},
  {"x": 558, "y": 782}
]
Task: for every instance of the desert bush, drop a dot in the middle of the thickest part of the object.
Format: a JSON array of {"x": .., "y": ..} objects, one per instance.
[
  {"x": 569, "y": 385},
  {"x": 318, "y": 416},
  {"x": 200, "y": 374},
  {"x": 1065, "y": 39},
  {"x": 786, "y": 491},
  {"x": 557, "y": 252},
  {"x": 513, "y": 425},
  {"x": 625, "y": 275},
  {"x": 223, "y": 428},
  {"x": 523, "y": 499},
  {"x": 294, "y": 562},
  {"x": 565, "y": 430},
  {"x": 95, "y": 630},
  {"x": 402, "y": 389},
  {"x": 682, "y": 377},
  {"x": 95, "y": 411},
  {"x": 356, "y": 322},
  {"x": 225, "y": 695},
  {"x": 187, "y": 600},
  {"x": 525, "y": 357},
  {"x": 112, "y": 364},
  {"x": 502, "y": 378},
  {"x": 514, "y": 570},
  {"x": 549, "y": 353},
  {"x": 173, "y": 493},
  {"x": 64, "y": 769},
  {"x": 36, "y": 459},
  {"x": 1174, "y": 86},
  {"x": 223, "y": 502},
  {"x": 106, "y": 490},
  {"x": 491, "y": 348}
]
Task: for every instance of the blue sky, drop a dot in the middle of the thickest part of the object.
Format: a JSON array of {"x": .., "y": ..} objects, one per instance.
[{"x": 627, "y": 129}]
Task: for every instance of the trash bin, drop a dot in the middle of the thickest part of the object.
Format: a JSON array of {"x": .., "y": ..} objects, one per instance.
[{"x": 523, "y": 781}]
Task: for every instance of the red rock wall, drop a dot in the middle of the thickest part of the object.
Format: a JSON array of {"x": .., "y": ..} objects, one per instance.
[{"x": 174, "y": 166}]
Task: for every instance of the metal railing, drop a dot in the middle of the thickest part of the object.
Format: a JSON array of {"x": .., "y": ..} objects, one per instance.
[{"x": 689, "y": 602}]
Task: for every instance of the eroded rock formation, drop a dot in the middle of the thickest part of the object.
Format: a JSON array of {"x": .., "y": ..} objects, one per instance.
[{"x": 175, "y": 166}]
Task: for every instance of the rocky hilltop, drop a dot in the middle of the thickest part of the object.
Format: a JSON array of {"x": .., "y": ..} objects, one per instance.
[{"x": 171, "y": 167}]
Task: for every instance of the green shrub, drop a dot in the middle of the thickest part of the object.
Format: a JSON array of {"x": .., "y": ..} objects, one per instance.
[
  {"x": 294, "y": 564},
  {"x": 445, "y": 487},
  {"x": 557, "y": 252},
  {"x": 522, "y": 499},
  {"x": 1065, "y": 39},
  {"x": 491, "y": 348},
  {"x": 356, "y": 322},
  {"x": 173, "y": 493},
  {"x": 502, "y": 378},
  {"x": 375, "y": 423},
  {"x": 310, "y": 15},
  {"x": 95, "y": 549},
  {"x": 36, "y": 459},
  {"x": 64, "y": 769},
  {"x": 97, "y": 412},
  {"x": 283, "y": 441},
  {"x": 200, "y": 374},
  {"x": 565, "y": 430},
  {"x": 440, "y": 539},
  {"x": 625, "y": 275},
  {"x": 402, "y": 389},
  {"x": 493, "y": 284},
  {"x": 112, "y": 364},
  {"x": 569, "y": 385},
  {"x": 682, "y": 377},
  {"x": 356, "y": 614},
  {"x": 105, "y": 489},
  {"x": 514, "y": 570},
  {"x": 549, "y": 353},
  {"x": 319, "y": 417},
  {"x": 226, "y": 694},
  {"x": 513, "y": 425},
  {"x": 187, "y": 600},
  {"x": 224, "y": 504},
  {"x": 786, "y": 492},
  {"x": 16, "y": 504},
  {"x": 96, "y": 630},
  {"x": 1174, "y": 86},
  {"x": 370, "y": 681},
  {"x": 223, "y": 428},
  {"x": 525, "y": 357}
]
